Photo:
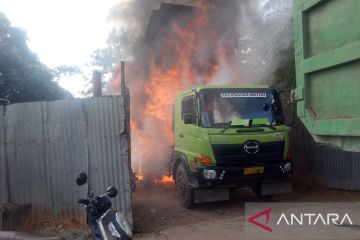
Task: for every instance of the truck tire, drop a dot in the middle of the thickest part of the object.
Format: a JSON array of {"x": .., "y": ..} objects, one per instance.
[{"x": 185, "y": 192}]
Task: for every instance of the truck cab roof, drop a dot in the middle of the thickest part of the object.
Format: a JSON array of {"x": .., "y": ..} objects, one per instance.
[{"x": 199, "y": 88}]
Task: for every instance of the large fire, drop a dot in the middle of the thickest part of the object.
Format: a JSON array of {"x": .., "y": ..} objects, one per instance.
[{"x": 189, "y": 54}]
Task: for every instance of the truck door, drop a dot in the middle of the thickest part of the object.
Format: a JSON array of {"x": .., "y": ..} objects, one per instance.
[{"x": 187, "y": 128}]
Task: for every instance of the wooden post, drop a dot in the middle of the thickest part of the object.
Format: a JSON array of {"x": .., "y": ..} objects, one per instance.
[
  {"x": 97, "y": 86},
  {"x": 123, "y": 86}
]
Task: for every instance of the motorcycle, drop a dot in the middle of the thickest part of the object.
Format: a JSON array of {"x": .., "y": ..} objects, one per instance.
[{"x": 105, "y": 222}]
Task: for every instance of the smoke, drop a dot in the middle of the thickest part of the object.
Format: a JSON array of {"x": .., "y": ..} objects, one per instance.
[
  {"x": 130, "y": 17},
  {"x": 170, "y": 48}
]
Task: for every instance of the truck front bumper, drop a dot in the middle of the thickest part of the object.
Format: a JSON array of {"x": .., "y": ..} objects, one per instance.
[{"x": 235, "y": 176}]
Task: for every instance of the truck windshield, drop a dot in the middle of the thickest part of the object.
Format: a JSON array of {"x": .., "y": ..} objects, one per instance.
[{"x": 218, "y": 107}]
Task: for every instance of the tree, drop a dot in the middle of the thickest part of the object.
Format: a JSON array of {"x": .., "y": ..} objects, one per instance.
[
  {"x": 117, "y": 49},
  {"x": 65, "y": 71},
  {"x": 23, "y": 77}
]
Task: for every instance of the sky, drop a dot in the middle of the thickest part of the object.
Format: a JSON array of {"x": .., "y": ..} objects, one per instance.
[{"x": 62, "y": 32}]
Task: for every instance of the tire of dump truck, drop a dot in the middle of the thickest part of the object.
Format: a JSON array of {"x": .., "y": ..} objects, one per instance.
[{"x": 185, "y": 193}]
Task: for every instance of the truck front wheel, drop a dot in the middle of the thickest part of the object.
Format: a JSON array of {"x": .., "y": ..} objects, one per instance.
[{"x": 186, "y": 194}]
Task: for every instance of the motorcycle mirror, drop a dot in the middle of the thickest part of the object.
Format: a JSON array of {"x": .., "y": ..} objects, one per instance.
[
  {"x": 81, "y": 178},
  {"x": 112, "y": 191}
]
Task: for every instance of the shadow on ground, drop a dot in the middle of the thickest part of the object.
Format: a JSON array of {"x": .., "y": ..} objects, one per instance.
[{"x": 157, "y": 207}]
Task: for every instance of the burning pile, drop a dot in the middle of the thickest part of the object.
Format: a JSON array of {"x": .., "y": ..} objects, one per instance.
[{"x": 183, "y": 47}]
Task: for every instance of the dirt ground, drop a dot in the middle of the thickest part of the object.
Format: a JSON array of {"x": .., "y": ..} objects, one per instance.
[{"x": 159, "y": 215}]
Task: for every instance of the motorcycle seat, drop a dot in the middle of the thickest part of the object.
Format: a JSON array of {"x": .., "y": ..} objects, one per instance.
[{"x": 4, "y": 235}]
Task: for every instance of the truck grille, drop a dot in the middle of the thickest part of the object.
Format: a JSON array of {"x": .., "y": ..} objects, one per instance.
[{"x": 234, "y": 155}]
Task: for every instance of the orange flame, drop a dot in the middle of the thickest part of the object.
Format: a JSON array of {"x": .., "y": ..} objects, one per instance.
[
  {"x": 189, "y": 56},
  {"x": 165, "y": 179},
  {"x": 139, "y": 178}
]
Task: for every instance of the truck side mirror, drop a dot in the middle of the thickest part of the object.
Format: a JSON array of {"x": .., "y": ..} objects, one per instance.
[
  {"x": 275, "y": 107},
  {"x": 189, "y": 118},
  {"x": 265, "y": 107}
]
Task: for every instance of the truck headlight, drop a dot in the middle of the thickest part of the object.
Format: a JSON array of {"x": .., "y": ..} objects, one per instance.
[
  {"x": 113, "y": 230},
  {"x": 209, "y": 174},
  {"x": 124, "y": 224}
]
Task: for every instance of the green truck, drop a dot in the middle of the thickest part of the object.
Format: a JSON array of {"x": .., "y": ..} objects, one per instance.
[{"x": 229, "y": 136}]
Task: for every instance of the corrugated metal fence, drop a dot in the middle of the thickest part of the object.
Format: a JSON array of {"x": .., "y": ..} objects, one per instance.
[
  {"x": 3, "y": 176},
  {"x": 48, "y": 143},
  {"x": 320, "y": 164}
]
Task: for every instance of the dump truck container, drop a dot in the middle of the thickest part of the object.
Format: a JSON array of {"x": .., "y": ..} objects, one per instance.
[{"x": 327, "y": 54}]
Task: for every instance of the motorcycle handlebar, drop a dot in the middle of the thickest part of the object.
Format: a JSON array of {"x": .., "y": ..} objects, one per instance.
[
  {"x": 84, "y": 201},
  {"x": 88, "y": 201},
  {"x": 104, "y": 195}
]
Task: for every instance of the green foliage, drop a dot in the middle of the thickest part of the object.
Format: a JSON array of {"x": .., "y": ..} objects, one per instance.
[
  {"x": 118, "y": 48},
  {"x": 284, "y": 74},
  {"x": 115, "y": 51},
  {"x": 281, "y": 55},
  {"x": 23, "y": 77},
  {"x": 65, "y": 71},
  {"x": 284, "y": 80}
]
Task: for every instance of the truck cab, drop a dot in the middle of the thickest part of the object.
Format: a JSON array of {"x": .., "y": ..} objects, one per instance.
[{"x": 229, "y": 136}]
